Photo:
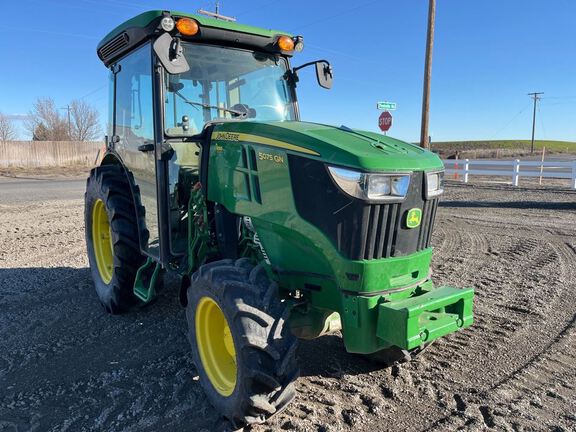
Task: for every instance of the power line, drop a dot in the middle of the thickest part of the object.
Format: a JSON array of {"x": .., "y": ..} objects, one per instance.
[
  {"x": 541, "y": 118},
  {"x": 558, "y": 97},
  {"x": 548, "y": 104},
  {"x": 50, "y": 32},
  {"x": 343, "y": 12},
  {"x": 262, "y": 6},
  {"x": 511, "y": 120},
  {"x": 310, "y": 47},
  {"x": 116, "y": 3},
  {"x": 90, "y": 93}
]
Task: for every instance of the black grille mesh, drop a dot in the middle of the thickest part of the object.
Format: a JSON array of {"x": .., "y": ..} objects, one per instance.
[{"x": 360, "y": 230}]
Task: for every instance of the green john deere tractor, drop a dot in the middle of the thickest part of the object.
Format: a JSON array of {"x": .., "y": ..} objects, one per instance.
[{"x": 278, "y": 229}]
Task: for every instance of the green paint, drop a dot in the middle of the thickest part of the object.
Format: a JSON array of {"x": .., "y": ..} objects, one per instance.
[
  {"x": 365, "y": 150},
  {"x": 145, "y": 281},
  {"x": 299, "y": 252},
  {"x": 425, "y": 318},
  {"x": 199, "y": 244},
  {"x": 142, "y": 20}
]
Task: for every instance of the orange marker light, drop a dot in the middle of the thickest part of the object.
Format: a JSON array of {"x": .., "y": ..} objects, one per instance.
[
  {"x": 286, "y": 43},
  {"x": 187, "y": 26}
]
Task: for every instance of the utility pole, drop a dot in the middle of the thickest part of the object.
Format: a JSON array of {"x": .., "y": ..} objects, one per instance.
[
  {"x": 67, "y": 107},
  {"x": 424, "y": 138},
  {"x": 536, "y": 97}
]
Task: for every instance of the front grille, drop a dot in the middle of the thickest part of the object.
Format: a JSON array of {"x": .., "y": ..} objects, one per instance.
[
  {"x": 379, "y": 231},
  {"x": 360, "y": 230},
  {"x": 428, "y": 217},
  {"x": 380, "y": 226}
]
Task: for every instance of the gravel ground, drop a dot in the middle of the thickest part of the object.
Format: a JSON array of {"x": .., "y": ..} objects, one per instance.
[{"x": 67, "y": 365}]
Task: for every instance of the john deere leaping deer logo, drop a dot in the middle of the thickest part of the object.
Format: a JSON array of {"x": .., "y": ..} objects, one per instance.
[{"x": 413, "y": 218}]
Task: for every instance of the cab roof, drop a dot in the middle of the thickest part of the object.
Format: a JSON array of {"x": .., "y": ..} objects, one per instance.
[{"x": 135, "y": 31}]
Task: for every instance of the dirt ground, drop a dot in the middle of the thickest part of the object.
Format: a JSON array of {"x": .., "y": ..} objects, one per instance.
[{"x": 65, "y": 365}]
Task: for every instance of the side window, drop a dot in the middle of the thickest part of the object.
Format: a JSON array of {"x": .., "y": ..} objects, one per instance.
[
  {"x": 176, "y": 109},
  {"x": 134, "y": 120},
  {"x": 134, "y": 126}
]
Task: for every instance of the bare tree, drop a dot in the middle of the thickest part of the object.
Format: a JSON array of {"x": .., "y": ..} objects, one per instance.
[
  {"x": 41, "y": 133},
  {"x": 85, "y": 124},
  {"x": 46, "y": 123},
  {"x": 7, "y": 129}
]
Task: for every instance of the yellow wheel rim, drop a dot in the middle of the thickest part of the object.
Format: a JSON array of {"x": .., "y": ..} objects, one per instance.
[
  {"x": 102, "y": 240},
  {"x": 216, "y": 346}
]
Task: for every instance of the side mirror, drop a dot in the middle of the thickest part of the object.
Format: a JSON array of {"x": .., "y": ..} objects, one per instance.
[
  {"x": 324, "y": 74},
  {"x": 171, "y": 54}
]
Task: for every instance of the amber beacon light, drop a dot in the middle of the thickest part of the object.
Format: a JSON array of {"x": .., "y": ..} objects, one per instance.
[
  {"x": 285, "y": 43},
  {"x": 187, "y": 26}
]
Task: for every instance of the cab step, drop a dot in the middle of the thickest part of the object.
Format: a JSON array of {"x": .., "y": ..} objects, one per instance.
[{"x": 145, "y": 281}]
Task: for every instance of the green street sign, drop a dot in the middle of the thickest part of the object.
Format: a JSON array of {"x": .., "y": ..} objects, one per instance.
[{"x": 388, "y": 106}]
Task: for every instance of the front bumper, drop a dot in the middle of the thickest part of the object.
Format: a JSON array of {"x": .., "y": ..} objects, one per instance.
[
  {"x": 404, "y": 319},
  {"x": 411, "y": 322}
]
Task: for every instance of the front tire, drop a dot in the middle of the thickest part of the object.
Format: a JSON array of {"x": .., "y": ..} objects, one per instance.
[
  {"x": 112, "y": 237},
  {"x": 242, "y": 346}
]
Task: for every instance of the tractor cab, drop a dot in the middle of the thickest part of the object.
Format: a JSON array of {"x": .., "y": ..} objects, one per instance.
[{"x": 173, "y": 77}]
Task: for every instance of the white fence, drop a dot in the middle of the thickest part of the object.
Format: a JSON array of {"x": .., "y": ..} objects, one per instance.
[{"x": 512, "y": 168}]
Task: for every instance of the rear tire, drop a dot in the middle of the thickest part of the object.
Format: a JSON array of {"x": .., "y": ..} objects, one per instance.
[
  {"x": 263, "y": 350},
  {"x": 112, "y": 237}
]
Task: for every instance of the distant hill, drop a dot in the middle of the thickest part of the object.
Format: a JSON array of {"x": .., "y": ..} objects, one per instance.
[{"x": 504, "y": 147}]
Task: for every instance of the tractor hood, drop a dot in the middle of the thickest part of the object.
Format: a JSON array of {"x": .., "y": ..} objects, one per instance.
[{"x": 336, "y": 145}]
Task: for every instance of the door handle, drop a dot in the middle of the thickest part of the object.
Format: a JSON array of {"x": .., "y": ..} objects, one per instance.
[{"x": 146, "y": 148}]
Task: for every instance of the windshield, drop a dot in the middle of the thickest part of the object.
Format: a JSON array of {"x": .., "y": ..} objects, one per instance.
[{"x": 226, "y": 83}]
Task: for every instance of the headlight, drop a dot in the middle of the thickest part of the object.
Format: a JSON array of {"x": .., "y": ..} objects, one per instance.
[
  {"x": 371, "y": 186},
  {"x": 434, "y": 184},
  {"x": 167, "y": 23}
]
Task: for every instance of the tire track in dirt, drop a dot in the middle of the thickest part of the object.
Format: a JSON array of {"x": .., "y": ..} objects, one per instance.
[
  {"x": 524, "y": 307},
  {"x": 66, "y": 365}
]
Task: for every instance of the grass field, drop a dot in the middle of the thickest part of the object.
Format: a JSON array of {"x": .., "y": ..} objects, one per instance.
[{"x": 519, "y": 145}]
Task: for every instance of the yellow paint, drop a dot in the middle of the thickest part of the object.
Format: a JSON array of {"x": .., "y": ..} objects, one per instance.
[
  {"x": 102, "y": 241},
  {"x": 216, "y": 346},
  {"x": 270, "y": 157},
  {"x": 256, "y": 139}
]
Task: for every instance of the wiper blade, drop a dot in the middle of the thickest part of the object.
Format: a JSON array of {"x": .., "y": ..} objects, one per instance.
[{"x": 240, "y": 114}]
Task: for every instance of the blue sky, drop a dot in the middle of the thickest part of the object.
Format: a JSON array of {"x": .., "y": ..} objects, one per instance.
[{"x": 488, "y": 55}]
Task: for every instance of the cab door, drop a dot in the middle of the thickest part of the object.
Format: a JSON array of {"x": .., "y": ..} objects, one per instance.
[{"x": 133, "y": 135}]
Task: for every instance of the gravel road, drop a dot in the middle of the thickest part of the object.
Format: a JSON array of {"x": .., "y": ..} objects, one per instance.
[{"x": 65, "y": 365}]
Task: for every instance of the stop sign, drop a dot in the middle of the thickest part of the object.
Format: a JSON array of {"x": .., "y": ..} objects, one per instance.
[{"x": 385, "y": 121}]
